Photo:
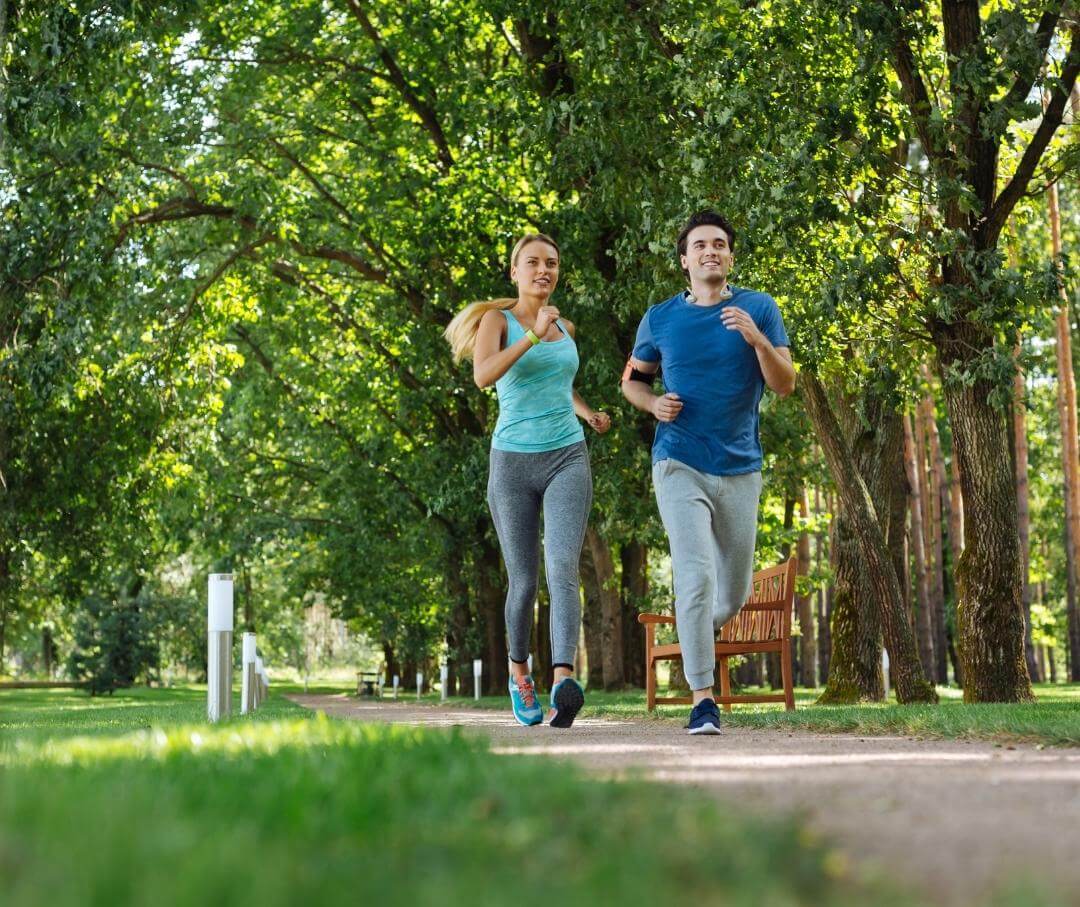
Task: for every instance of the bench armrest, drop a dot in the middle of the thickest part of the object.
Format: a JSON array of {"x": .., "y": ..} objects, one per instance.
[{"x": 655, "y": 619}]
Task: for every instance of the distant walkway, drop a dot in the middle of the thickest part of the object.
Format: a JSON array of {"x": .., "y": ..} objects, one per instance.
[{"x": 948, "y": 818}]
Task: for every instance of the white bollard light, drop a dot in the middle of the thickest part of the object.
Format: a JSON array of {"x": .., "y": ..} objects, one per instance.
[
  {"x": 885, "y": 670},
  {"x": 219, "y": 626},
  {"x": 419, "y": 683},
  {"x": 444, "y": 678},
  {"x": 477, "y": 669},
  {"x": 397, "y": 683},
  {"x": 248, "y": 679}
]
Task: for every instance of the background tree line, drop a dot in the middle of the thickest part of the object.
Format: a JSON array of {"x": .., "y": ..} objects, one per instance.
[{"x": 231, "y": 238}]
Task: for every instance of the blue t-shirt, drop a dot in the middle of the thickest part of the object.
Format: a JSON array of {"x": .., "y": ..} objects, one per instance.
[{"x": 716, "y": 375}]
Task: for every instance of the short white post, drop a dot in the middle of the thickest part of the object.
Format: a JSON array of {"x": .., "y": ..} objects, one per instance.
[
  {"x": 248, "y": 679},
  {"x": 885, "y": 669},
  {"x": 419, "y": 683},
  {"x": 528, "y": 662},
  {"x": 444, "y": 678},
  {"x": 219, "y": 626},
  {"x": 477, "y": 669},
  {"x": 397, "y": 683},
  {"x": 379, "y": 685}
]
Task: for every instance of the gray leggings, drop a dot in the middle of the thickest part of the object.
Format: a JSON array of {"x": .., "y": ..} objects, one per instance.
[{"x": 519, "y": 484}]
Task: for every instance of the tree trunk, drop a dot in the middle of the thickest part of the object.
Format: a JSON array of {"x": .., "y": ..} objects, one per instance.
[
  {"x": 855, "y": 620},
  {"x": 804, "y": 603},
  {"x": 750, "y": 672},
  {"x": 922, "y": 447},
  {"x": 461, "y": 643},
  {"x": 1023, "y": 511},
  {"x": 883, "y": 583},
  {"x": 938, "y": 499},
  {"x": 591, "y": 620},
  {"x": 989, "y": 613},
  {"x": 491, "y": 606},
  {"x": 956, "y": 548},
  {"x": 635, "y": 590},
  {"x": 917, "y": 502},
  {"x": 824, "y": 640},
  {"x": 772, "y": 659},
  {"x": 390, "y": 665},
  {"x": 542, "y": 672},
  {"x": 47, "y": 646},
  {"x": 249, "y": 605},
  {"x": 677, "y": 682},
  {"x": 610, "y": 610},
  {"x": 1070, "y": 452},
  {"x": 5, "y": 597}
]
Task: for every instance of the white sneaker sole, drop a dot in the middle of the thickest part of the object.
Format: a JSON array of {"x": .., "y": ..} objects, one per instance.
[{"x": 706, "y": 729}]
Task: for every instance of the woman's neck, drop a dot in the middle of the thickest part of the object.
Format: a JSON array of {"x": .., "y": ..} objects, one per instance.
[{"x": 529, "y": 305}]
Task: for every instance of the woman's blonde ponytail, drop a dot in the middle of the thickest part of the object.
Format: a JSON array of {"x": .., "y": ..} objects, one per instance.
[{"x": 461, "y": 332}]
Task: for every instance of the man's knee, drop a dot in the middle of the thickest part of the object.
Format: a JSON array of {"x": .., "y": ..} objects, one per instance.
[{"x": 695, "y": 591}]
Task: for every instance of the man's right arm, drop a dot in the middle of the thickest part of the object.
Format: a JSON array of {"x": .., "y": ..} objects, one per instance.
[{"x": 665, "y": 407}]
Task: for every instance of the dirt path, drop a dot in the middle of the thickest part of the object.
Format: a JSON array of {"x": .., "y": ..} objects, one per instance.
[{"x": 953, "y": 820}]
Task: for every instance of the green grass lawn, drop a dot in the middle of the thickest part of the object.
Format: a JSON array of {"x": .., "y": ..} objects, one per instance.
[
  {"x": 1053, "y": 721},
  {"x": 134, "y": 800}
]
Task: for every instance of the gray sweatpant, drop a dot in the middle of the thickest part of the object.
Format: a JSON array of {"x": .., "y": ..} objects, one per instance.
[
  {"x": 519, "y": 485},
  {"x": 711, "y": 523}
]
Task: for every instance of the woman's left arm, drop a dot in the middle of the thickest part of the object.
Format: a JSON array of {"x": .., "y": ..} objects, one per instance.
[{"x": 599, "y": 421}]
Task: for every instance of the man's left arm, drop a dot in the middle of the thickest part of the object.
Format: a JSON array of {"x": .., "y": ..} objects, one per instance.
[{"x": 775, "y": 361}]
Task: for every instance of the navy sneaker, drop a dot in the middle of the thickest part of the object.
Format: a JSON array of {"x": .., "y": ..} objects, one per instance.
[
  {"x": 567, "y": 698},
  {"x": 527, "y": 708},
  {"x": 705, "y": 718}
]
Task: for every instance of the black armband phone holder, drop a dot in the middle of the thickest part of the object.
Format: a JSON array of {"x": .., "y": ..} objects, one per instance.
[{"x": 632, "y": 374}]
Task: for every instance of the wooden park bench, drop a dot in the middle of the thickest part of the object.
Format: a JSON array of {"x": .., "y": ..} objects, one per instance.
[
  {"x": 367, "y": 683},
  {"x": 762, "y": 625}
]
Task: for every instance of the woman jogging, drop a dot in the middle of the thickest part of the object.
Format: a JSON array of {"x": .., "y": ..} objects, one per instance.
[{"x": 538, "y": 461}]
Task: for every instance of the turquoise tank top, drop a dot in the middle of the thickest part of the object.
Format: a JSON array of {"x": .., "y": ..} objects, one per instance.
[{"x": 536, "y": 403}]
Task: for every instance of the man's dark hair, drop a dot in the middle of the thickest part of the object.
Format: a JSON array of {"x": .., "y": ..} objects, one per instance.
[{"x": 706, "y": 218}]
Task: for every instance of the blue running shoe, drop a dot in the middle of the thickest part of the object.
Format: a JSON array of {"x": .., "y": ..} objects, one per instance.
[
  {"x": 527, "y": 708},
  {"x": 705, "y": 718},
  {"x": 567, "y": 698}
]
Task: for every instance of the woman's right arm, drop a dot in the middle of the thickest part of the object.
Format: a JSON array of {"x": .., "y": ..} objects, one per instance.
[{"x": 490, "y": 361}]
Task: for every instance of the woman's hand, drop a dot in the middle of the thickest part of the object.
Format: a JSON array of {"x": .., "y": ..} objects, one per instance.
[
  {"x": 600, "y": 422},
  {"x": 545, "y": 317}
]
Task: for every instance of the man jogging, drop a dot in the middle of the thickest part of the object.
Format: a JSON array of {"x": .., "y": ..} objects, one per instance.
[{"x": 718, "y": 346}]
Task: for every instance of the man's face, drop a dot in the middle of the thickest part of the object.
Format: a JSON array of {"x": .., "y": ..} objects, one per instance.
[{"x": 708, "y": 256}]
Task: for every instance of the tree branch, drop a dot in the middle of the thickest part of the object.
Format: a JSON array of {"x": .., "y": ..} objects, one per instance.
[
  {"x": 397, "y": 79},
  {"x": 990, "y": 228},
  {"x": 914, "y": 90},
  {"x": 1025, "y": 79}
]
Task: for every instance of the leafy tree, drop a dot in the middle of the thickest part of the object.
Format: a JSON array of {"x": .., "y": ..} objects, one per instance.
[{"x": 114, "y": 645}]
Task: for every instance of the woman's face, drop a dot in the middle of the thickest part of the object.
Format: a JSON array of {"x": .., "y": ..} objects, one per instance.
[{"x": 536, "y": 270}]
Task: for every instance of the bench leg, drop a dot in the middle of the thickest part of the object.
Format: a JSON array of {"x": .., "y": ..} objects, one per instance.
[
  {"x": 786, "y": 672},
  {"x": 725, "y": 683},
  {"x": 650, "y": 668}
]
